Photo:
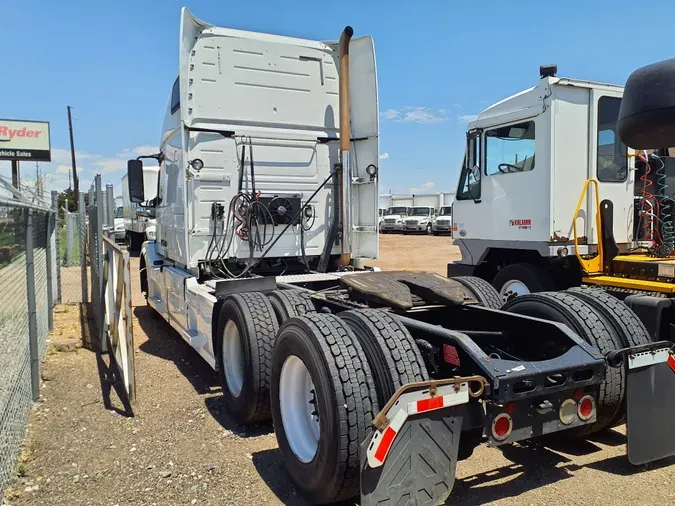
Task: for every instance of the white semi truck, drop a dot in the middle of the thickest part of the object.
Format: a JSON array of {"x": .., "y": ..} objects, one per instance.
[
  {"x": 139, "y": 217},
  {"x": 393, "y": 219},
  {"x": 266, "y": 217},
  {"x": 443, "y": 222},
  {"x": 420, "y": 219}
]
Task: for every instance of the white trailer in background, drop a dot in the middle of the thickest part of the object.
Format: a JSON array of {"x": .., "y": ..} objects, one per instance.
[
  {"x": 118, "y": 221},
  {"x": 139, "y": 219}
]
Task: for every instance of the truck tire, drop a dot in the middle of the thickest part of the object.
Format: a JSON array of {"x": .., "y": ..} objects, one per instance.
[
  {"x": 289, "y": 303},
  {"x": 319, "y": 365},
  {"x": 482, "y": 291},
  {"x": 247, "y": 330},
  {"x": 585, "y": 320},
  {"x": 392, "y": 354},
  {"x": 623, "y": 320},
  {"x": 519, "y": 279}
]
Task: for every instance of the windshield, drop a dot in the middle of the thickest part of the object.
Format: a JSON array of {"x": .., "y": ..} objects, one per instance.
[
  {"x": 118, "y": 212},
  {"x": 398, "y": 210},
  {"x": 446, "y": 210},
  {"x": 420, "y": 211}
]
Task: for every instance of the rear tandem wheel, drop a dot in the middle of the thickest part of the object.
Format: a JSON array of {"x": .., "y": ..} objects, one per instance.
[
  {"x": 584, "y": 319},
  {"x": 246, "y": 333},
  {"x": 323, "y": 401}
]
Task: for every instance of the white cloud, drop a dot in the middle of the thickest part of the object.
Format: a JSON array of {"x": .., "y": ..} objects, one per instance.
[
  {"x": 456, "y": 105},
  {"x": 110, "y": 165},
  {"x": 62, "y": 156},
  {"x": 384, "y": 156},
  {"x": 416, "y": 114},
  {"x": 423, "y": 187},
  {"x": 137, "y": 151},
  {"x": 63, "y": 169},
  {"x": 467, "y": 118},
  {"x": 391, "y": 114}
]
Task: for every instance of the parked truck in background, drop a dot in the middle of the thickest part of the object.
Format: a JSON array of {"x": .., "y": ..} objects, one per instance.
[
  {"x": 139, "y": 217},
  {"x": 266, "y": 219},
  {"x": 393, "y": 219},
  {"x": 419, "y": 220},
  {"x": 443, "y": 222}
]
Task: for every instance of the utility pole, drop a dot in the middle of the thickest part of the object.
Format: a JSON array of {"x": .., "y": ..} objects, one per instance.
[
  {"x": 38, "y": 181},
  {"x": 76, "y": 182},
  {"x": 16, "y": 177}
]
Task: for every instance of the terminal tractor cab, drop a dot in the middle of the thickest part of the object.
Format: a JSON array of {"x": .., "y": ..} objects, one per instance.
[{"x": 571, "y": 183}]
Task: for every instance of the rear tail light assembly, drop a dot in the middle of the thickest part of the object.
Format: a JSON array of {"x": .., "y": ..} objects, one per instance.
[
  {"x": 586, "y": 408},
  {"x": 502, "y": 425}
]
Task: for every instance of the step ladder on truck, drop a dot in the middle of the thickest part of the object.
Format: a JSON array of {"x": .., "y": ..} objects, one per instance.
[{"x": 266, "y": 217}]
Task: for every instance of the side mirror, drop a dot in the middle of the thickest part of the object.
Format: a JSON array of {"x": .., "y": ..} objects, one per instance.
[{"x": 135, "y": 180}]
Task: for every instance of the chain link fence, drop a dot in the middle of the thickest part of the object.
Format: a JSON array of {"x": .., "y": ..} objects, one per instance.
[
  {"x": 28, "y": 292},
  {"x": 48, "y": 256},
  {"x": 72, "y": 231}
]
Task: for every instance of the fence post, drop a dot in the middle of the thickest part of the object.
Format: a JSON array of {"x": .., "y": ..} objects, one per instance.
[
  {"x": 50, "y": 295},
  {"x": 99, "y": 258},
  {"x": 81, "y": 213},
  {"x": 32, "y": 309},
  {"x": 55, "y": 206},
  {"x": 110, "y": 206}
]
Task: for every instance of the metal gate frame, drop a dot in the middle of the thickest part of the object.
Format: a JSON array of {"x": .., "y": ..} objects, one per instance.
[{"x": 116, "y": 316}]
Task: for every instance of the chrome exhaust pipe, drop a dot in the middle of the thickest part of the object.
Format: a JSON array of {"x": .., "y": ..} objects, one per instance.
[{"x": 345, "y": 140}]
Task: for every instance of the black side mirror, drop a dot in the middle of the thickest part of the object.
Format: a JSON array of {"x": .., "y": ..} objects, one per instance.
[{"x": 135, "y": 180}]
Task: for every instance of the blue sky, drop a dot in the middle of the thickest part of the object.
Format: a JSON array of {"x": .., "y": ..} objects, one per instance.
[{"x": 439, "y": 63}]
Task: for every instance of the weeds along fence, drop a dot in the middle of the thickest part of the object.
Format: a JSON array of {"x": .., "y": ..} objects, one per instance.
[{"x": 29, "y": 288}]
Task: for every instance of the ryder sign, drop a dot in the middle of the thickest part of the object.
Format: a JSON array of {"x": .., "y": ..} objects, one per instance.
[{"x": 24, "y": 140}]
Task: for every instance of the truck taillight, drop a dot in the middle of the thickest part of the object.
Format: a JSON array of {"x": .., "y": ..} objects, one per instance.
[
  {"x": 502, "y": 426},
  {"x": 568, "y": 411},
  {"x": 586, "y": 407}
]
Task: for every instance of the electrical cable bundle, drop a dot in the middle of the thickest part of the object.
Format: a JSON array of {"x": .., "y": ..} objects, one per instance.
[
  {"x": 656, "y": 220},
  {"x": 247, "y": 218},
  {"x": 648, "y": 205},
  {"x": 667, "y": 246}
]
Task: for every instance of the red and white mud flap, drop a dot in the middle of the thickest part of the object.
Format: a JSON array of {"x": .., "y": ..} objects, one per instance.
[
  {"x": 412, "y": 453},
  {"x": 651, "y": 404}
]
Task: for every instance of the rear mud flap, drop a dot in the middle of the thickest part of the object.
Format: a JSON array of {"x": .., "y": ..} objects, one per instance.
[
  {"x": 420, "y": 466},
  {"x": 651, "y": 406}
]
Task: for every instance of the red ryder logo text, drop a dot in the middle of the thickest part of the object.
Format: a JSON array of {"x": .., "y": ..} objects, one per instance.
[{"x": 10, "y": 133}]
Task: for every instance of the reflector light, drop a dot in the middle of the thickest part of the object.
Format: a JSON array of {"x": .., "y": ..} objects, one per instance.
[
  {"x": 429, "y": 404},
  {"x": 578, "y": 394},
  {"x": 671, "y": 361},
  {"x": 450, "y": 355},
  {"x": 501, "y": 427},
  {"x": 586, "y": 407},
  {"x": 387, "y": 439},
  {"x": 511, "y": 408}
]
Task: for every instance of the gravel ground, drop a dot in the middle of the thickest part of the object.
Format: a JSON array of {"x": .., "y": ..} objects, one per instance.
[{"x": 182, "y": 448}]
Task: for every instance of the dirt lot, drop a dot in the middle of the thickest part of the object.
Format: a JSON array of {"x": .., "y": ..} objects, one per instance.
[{"x": 181, "y": 447}]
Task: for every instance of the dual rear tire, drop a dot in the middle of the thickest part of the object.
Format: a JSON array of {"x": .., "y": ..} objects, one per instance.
[
  {"x": 330, "y": 376},
  {"x": 322, "y": 378}
]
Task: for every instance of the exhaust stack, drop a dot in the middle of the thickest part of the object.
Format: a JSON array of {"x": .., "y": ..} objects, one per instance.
[{"x": 345, "y": 138}]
